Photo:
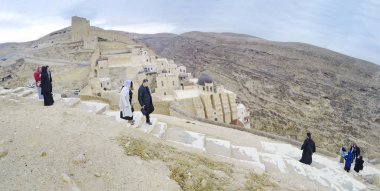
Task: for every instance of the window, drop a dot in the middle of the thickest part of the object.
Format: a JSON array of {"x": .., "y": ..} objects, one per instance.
[
  {"x": 210, "y": 88},
  {"x": 203, "y": 88},
  {"x": 164, "y": 93},
  {"x": 173, "y": 83},
  {"x": 216, "y": 119},
  {"x": 162, "y": 83}
]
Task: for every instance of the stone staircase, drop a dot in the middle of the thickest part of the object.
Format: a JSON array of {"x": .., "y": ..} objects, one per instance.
[
  {"x": 195, "y": 140},
  {"x": 267, "y": 156}
]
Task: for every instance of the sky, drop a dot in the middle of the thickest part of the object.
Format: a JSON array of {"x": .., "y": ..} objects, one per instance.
[{"x": 350, "y": 27}]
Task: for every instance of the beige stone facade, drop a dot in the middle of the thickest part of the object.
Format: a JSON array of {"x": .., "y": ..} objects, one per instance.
[{"x": 117, "y": 58}]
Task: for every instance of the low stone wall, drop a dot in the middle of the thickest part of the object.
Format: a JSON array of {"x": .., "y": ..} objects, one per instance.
[
  {"x": 89, "y": 97},
  {"x": 160, "y": 107},
  {"x": 186, "y": 115}
]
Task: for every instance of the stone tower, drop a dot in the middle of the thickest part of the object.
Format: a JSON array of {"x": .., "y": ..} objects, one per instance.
[{"x": 81, "y": 31}]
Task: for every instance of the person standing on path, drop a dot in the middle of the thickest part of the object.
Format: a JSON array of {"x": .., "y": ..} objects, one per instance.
[
  {"x": 145, "y": 100},
  {"x": 308, "y": 148},
  {"x": 37, "y": 78},
  {"x": 125, "y": 103},
  {"x": 46, "y": 87}
]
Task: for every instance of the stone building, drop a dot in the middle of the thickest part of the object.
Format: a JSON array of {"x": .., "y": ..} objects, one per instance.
[{"x": 117, "y": 58}]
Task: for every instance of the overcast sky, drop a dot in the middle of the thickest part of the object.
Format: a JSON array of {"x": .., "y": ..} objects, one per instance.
[{"x": 351, "y": 27}]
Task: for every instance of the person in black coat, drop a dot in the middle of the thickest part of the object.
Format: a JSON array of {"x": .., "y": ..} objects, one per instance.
[
  {"x": 355, "y": 151},
  {"x": 46, "y": 86},
  {"x": 308, "y": 148},
  {"x": 359, "y": 164},
  {"x": 145, "y": 100}
]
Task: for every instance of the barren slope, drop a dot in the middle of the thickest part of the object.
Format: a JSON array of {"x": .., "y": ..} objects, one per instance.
[{"x": 289, "y": 87}]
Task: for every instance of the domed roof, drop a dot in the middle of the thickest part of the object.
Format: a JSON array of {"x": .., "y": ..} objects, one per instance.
[{"x": 204, "y": 78}]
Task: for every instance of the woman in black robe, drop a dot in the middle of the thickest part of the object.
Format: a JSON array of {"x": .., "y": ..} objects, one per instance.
[
  {"x": 308, "y": 148},
  {"x": 46, "y": 87}
]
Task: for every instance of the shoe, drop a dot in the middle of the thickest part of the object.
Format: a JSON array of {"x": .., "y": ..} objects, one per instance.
[{"x": 149, "y": 123}]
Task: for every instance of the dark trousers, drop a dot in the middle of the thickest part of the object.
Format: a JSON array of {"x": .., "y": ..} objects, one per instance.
[{"x": 147, "y": 118}]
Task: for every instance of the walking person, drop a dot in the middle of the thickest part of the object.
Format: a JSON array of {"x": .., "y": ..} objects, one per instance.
[
  {"x": 308, "y": 148},
  {"x": 355, "y": 151},
  {"x": 347, "y": 165},
  {"x": 359, "y": 164},
  {"x": 342, "y": 154},
  {"x": 125, "y": 103},
  {"x": 46, "y": 87},
  {"x": 37, "y": 78},
  {"x": 145, "y": 100}
]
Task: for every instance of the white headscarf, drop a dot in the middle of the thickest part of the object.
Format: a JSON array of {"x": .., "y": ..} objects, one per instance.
[
  {"x": 124, "y": 104},
  {"x": 127, "y": 84}
]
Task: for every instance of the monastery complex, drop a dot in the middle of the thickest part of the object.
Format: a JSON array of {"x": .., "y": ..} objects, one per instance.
[{"x": 175, "y": 92}]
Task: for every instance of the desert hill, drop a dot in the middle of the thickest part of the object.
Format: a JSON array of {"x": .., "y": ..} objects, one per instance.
[{"x": 289, "y": 87}]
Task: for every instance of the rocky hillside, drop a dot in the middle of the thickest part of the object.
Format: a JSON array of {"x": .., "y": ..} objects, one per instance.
[{"x": 290, "y": 88}]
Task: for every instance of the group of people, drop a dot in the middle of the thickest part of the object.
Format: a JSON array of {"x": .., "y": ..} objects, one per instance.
[
  {"x": 43, "y": 79},
  {"x": 346, "y": 157},
  {"x": 349, "y": 156},
  {"x": 144, "y": 98}
]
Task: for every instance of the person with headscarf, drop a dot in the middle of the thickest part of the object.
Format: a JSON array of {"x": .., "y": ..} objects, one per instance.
[
  {"x": 308, "y": 148},
  {"x": 46, "y": 87},
  {"x": 343, "y": 153},
  {"x": 347, "y": 164},
  {"x": 37, "y": 78},
  {"x": 125, "y": 103},
  {"x": 359, "y": 164}
]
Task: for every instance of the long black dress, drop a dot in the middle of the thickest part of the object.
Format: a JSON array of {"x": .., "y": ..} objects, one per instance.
[
  {"x": 46, "y": 87},
  {"x": 308, "y": 148}
]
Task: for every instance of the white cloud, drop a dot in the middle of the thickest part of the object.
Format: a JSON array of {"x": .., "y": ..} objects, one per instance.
[
  {"x": 144, "y": 28},
  {"x": 9, "y": 16}
]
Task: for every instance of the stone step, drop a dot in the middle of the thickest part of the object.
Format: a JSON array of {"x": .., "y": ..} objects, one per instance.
[
  {"x": 218, "y": 147},
  {"x": 57, "y": 97},
  {"x": 187, "y": 138},
  {"x": 95, "y": 107},
  {"x": 17, "y": 90},
  {"x": 248, "y": 154},
  {"x": 159, "y": 129},
  {"x": 148, "y": 128},
  {"x": 25, "y": 93},
  {"x": 70, "y": 102},
  {"x": 4, "y": 92}
]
